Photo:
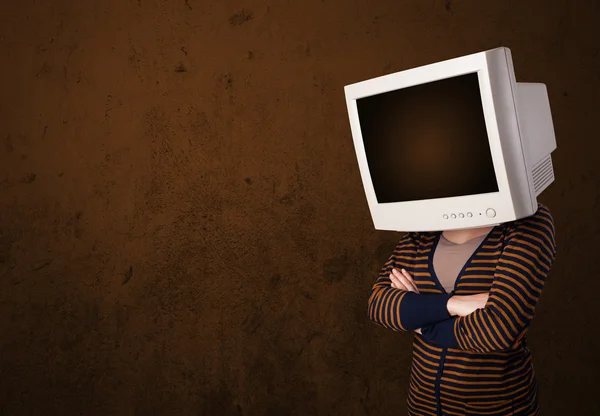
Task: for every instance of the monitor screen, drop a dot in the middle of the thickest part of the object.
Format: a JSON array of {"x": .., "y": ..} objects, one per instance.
[{"x": 427, "y": 141}]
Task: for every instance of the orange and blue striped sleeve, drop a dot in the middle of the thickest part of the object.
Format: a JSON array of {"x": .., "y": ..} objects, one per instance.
[
  {"x": 520, "y": 275},
  {"x": 400, "y": 310}
]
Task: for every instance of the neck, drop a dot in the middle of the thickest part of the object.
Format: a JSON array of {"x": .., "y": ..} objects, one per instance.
[{"x": 464, "y": 235}]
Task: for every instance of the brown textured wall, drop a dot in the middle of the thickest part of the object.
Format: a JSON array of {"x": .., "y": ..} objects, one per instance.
[{"x": 183, "y": 228}]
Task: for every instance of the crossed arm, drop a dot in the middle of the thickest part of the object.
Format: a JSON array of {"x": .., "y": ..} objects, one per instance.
[
  {"x": 456, "y": 305},
  {"x": 463, "y": 322}
]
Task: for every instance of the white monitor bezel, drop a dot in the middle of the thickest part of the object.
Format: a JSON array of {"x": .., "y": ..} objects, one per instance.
[{"x": 429, "y": 215}]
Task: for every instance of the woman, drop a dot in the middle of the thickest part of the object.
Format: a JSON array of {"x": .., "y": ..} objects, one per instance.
[{"x": 470, "y": 296}]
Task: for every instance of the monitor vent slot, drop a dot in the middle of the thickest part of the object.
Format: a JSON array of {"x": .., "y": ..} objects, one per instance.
[{"x": 542, "y": 175}]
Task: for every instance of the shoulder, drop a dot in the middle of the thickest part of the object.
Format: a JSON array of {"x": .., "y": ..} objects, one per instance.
[
  {"x": 409, "y": 238},
  {"x": 538, "y": 228},
  {"x": 419, "y": 240},
  {"x": 541, "y": 219},
  {"x": 415, "y": 238}
]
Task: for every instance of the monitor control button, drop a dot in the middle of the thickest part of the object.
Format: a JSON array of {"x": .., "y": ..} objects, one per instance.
[
  {"x": 491, "y": 213},
  {"x": 446, "y": 216},
  {"x": 461, "y": 215},
  {"x": 453, "y": 216},
  {"x": 469, "y": 214}
]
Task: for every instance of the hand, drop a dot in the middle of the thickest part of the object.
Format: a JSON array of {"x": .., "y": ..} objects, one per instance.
[
  {"x": 403, "y": 280},
  {"x": 465, "y": 305}
]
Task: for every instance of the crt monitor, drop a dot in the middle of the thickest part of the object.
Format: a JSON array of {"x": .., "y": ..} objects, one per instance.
[{"x": 456, "y": 144}]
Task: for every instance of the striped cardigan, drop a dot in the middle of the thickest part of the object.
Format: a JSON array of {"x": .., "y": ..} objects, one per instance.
[{"x": 478, "y": 364}]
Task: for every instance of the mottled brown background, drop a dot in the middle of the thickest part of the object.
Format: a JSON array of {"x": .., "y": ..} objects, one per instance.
[{"x": 183, "y": 228}]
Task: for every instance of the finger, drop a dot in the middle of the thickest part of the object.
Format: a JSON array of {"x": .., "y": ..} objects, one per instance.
[
  {"x": 396, "y": 282},
  {"x": 410, "y": 279},
  {"x": 403, "y": 281},
  {"x": 482, "y": 300},
  {"x": 399, "y": 283},
  {"x": 407, "y": 275},
  {"x": 406, "y": 282},
  {"x": 392, "y": 282}
]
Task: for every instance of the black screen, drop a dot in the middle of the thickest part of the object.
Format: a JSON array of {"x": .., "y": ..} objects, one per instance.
[{"x": 427, "y": 141}]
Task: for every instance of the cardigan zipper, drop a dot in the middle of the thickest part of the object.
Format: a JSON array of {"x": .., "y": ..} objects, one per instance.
[{"x": 438, "y": 382}]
